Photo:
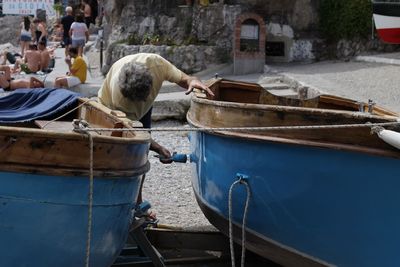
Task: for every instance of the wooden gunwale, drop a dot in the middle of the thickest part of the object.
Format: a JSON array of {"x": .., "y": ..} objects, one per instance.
[
  {"x": 246, "y": 92},
  {"x": 211, "y": 113},
  {"x": 248, "y": 106},
  {"x": 61, "y": 151},
  {"x": 340, "y": 101},
  {"x": 74, "y": 172},
  {"x": 301, "y": 142},
  {"x": 138, "y": 138}
]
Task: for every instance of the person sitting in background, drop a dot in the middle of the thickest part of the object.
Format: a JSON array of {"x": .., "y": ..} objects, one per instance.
[
  {"x": 44, "y": 57},
  {"x": 77, "y": 71},
  {"x": 30, "y": 63},
  {"x": 8, "y": 84}
]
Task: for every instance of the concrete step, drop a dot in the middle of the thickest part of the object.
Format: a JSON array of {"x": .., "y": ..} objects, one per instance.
[
  {"x": 275, "y": 86},
  {"x": 92, "y": 37},
  {"x": 86, "y": 89},
  {"x": 284, "y": 92},
  {"x": 171, "y": 106},
  {"x": 270, "y": 79}
]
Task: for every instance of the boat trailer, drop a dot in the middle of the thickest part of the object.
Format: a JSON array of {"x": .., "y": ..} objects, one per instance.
[{"x": 155, "y": 246}]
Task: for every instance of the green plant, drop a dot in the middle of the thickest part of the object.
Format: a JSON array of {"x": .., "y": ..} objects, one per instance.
[
  {"x": 165, "y": 40},
  {"x": 345, "y": 19},
  {"x": 133, "y": 39},
  {"x": 191, "y": 40},
  {"x": 58, "y": 8}
]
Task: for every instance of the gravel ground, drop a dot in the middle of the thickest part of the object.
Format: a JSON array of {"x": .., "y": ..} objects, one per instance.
[
  {"x": 355, "y": 80},
  {"x": 168, "y": 186}
]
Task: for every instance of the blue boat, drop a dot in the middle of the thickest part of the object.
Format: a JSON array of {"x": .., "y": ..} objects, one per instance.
[
  {"x": 60, "y": 206},
  {"x": 323, "y": 193}
]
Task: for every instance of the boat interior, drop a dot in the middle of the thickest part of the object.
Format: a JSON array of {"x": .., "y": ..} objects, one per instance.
[
  {"x": 252, "y": 93},
  {"x": 92, "y": 113}
]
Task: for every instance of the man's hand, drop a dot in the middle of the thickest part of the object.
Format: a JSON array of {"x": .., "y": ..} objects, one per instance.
[
  {"x": 196, "y": 83},
  {"x": 164, "y": 154}
]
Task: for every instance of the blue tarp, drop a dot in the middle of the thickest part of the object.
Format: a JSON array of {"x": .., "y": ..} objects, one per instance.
[{"x": 24, "y": 105}]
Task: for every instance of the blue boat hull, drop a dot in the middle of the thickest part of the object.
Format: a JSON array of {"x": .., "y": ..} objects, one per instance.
[
  {"x": 329, "y": 206},
  {"x": 44, "y": 219}
]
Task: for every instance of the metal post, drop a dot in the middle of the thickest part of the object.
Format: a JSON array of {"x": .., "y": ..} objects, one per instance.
[{"x": 101, "y": 48}]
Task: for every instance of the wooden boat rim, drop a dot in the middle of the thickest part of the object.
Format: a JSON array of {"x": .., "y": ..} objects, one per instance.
[
  {"x": 251, "y": 106},
  {"x": 299, "y": 142},
  {"x": 139, "y": 136},
  {"x": 74, "y": 172}
]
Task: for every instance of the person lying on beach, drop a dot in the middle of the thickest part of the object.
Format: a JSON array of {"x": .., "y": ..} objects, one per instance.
[
  {"x": 30, "y": 63},
  {"x": 8, "y": 84},
  {"x": 11, "y": 57}
]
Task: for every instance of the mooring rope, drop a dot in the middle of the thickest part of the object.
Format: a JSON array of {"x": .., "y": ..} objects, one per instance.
[
  {"x": 65, "y": 114},
  {"x": 239, "y": 129},
  {"x": 232, "y": 250},
  {"x": 90, "y": 201}
]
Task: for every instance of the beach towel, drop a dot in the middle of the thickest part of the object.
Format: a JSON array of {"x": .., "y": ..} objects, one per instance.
[{"x": 24, "y": 105}]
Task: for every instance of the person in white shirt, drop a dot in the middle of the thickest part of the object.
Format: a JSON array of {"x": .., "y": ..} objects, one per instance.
[{"x": 79, "y": 34}]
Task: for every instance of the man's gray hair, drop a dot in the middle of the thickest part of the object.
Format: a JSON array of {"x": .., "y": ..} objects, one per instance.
[{"x": 135, "y": 81}]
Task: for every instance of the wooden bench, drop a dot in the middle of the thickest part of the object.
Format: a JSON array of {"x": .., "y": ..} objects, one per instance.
[{"x": 59, "y": 126}]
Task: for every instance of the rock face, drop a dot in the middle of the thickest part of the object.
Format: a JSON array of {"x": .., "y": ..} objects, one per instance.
[
  {"x": 9, "y": 30},
  {"x": 190, "y": 58},
  {"x": 194, "y": 36},
  {"x": 171, "y": 22}
]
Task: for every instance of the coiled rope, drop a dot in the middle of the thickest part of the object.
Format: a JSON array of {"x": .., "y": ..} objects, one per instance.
[
  {"x": 65, "y": 114},
  {"x": 241, "y": 181}
]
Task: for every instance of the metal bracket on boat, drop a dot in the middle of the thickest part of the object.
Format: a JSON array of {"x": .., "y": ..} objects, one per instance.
[
  {"x": 242, "y": 177},
  {"x": 80, "y": 126},
  {"x": 371, "y": 105},
  {"x": 360, "y": 106}
]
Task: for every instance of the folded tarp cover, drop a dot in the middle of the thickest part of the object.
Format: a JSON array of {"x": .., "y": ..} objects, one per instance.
[{"x": 24, "y": 105}]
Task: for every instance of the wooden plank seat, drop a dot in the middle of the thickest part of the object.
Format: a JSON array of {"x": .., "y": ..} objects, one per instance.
[
  {"x": 66, "y": 126},
  {"x": 60, "y": 126}
]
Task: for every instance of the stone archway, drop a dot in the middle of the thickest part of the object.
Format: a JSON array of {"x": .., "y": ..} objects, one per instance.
[{"x": 249, "y": 44}]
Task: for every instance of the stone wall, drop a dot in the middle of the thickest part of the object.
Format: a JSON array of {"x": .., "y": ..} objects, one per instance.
[
  {"x": 9, "y": 30},
  {"x": 290, "y": 21},
  {"x": 291, "y": 25},
  {"x": 189, "y": 59}
]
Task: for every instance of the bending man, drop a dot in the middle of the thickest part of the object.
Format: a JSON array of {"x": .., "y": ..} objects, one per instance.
[{"x": 133, "y": 83}]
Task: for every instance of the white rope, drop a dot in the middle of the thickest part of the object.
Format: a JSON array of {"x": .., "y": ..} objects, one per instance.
[
  {"x": 90, "y": 202},
  {"x": 239, "y": 129},
  {"x": 65, "y": 114},
  {"x": 242, "y": 261}
]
